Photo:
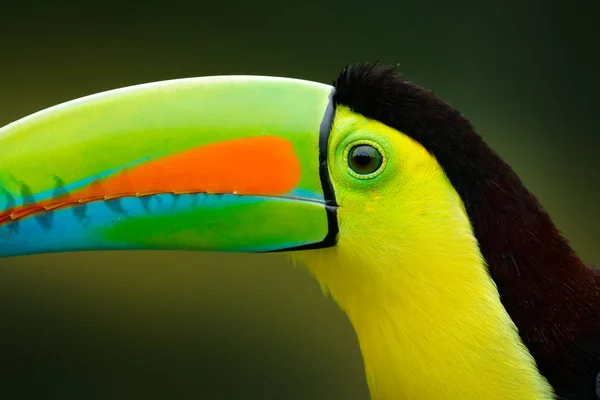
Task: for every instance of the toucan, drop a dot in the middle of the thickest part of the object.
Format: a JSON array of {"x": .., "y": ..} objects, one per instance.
[{"x": 455, "y": 278}]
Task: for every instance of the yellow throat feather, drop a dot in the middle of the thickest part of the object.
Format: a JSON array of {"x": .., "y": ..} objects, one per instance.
[{"x": 409, "y": 274}]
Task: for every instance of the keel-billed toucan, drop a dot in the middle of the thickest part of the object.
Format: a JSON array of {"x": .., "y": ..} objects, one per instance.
[{"x": 456, "y": 280}]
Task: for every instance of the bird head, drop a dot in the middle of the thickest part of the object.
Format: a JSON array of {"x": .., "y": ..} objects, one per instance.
[{"x": 457, "y": 281}]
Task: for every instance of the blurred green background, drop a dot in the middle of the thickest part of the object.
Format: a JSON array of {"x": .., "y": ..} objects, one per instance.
[{"x": 183, "y": 325}]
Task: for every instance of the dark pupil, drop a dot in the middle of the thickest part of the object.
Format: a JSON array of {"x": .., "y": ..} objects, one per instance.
[{"x": 364, "y": 159}]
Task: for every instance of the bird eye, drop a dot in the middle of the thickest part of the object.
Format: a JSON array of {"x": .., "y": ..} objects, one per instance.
[{"x": 364, "y": 159}]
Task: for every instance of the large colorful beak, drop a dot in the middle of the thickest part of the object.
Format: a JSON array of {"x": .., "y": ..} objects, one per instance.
[{"x": 233, "y": 163}]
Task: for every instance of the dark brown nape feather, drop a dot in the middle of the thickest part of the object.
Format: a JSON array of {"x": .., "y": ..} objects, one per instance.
[{"x": 552, "y": 297}]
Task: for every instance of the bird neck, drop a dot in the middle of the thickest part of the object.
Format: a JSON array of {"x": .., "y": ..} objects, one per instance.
[
  {"x": 433, "y": 340},
  {"x": 429, "y": 318}
]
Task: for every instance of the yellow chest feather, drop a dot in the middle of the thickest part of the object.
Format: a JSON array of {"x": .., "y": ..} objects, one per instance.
[{"x": 436, "y": 332}]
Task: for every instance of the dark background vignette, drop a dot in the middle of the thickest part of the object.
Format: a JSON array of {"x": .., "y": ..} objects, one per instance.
[{"x": 174, "y": 325}]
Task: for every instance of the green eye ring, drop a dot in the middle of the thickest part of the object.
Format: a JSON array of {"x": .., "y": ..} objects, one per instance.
[{"x": 365, "y": 159}]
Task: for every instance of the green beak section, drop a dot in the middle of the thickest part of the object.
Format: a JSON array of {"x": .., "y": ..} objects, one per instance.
[{"x": 232, "y": 163}]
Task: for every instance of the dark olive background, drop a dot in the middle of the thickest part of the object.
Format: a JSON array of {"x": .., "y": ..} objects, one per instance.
[{"x": 184, "y": 325}]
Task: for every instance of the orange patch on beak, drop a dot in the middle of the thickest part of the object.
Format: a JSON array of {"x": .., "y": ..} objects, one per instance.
[{"x": 263, "y": 165}]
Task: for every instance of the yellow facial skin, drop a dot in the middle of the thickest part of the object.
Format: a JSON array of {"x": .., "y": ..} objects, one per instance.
[{"x": 408, "y": 273}]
